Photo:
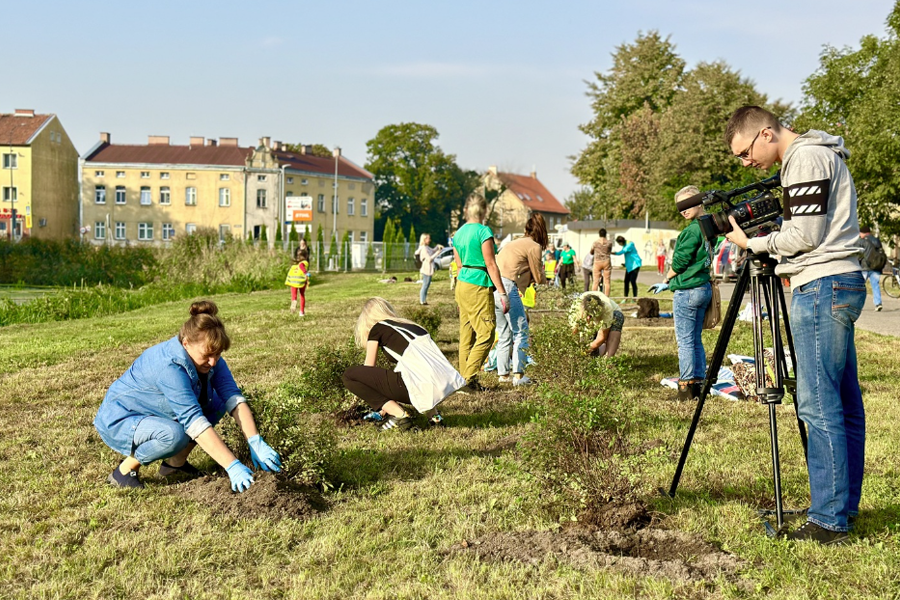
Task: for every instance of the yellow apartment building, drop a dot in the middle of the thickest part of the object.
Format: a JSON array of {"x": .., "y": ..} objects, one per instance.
[
  {"x": 151, "y": 192},
  {"x": 38, "y": 177}
]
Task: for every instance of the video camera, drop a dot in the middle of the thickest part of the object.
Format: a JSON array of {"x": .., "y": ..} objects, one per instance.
[{"x": 751, "y": 215}]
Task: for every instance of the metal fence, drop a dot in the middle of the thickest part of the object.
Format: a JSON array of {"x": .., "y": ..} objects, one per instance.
[{"x": 376, "y": 257}]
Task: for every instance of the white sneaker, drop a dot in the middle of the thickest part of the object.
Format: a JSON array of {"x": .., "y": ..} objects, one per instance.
[
  {"x": 504, "y": 379},
  {"x": 523, "y": 380},
  {"x": 303, "y": 314}
]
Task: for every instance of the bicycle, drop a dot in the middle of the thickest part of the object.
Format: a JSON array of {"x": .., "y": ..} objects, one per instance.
[{"x": 891, "y": 283}]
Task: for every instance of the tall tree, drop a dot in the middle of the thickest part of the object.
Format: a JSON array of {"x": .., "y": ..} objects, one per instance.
[
  {"x": 416, "y": 182},
  {"x": 854, "y": 94},
  {"x": 583, "y": 205}
]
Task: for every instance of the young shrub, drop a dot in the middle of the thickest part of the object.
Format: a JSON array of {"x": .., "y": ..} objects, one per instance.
[
  {"x": 426, "y": 316},
  {"x": 320, "y": 387}
]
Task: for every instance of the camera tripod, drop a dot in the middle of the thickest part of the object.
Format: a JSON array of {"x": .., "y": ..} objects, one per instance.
[{"x": 757, "y": 273}]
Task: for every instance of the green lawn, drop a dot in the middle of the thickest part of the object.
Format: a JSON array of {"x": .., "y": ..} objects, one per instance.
[{"x": 403, "y": 501}]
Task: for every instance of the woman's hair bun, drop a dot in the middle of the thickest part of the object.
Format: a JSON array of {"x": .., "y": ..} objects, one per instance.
[{"x": 204, "y": 307}]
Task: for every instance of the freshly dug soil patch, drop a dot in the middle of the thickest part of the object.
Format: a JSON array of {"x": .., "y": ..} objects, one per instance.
[
  {"x": 657, "y": 322},
  {"x": 269, "y": 496},
  {"x": 352, "y": 417},
  {"x": 617, "y": 516},
  {"x": 672, "y": 555}
]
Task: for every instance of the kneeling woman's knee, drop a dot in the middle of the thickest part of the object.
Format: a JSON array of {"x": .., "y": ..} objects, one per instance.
[{"x": 167, "y": 438}]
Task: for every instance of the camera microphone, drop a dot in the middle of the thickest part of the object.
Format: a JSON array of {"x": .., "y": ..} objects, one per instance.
[{"x": 695, "y": 200}]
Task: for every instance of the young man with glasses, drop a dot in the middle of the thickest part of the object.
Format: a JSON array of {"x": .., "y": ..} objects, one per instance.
[{"x": 818, "y": 246}]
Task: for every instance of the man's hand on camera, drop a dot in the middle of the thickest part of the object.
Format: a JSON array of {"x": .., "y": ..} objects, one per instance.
[{"x": 736, "y": 234}]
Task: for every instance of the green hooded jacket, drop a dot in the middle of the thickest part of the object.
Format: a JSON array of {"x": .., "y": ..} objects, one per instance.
[{"x": 691, "y": 260}]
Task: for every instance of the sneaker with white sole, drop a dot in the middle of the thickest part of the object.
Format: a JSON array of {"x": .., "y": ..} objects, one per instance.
[
  {"x": 504, "y": 379},
  {"x": 400, "y": 424}
]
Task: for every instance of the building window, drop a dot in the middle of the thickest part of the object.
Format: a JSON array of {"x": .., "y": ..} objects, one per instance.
[
  {"x": 290, "y": 194},
  {"x": 11, "y": 161},
  {"x": 100, "y": 194},
  {"x": 165, "y": 195},
  {"x": 190, "y": 228},
  {"x": 120, "y": 174},
  {"x": 260, "y": 198},
  {"x": 334, "y": 205},
  {"x": 364, "y": 207},
  {"x": 10, "y": 194},
  {"x": 351, "y": 186},
  {"x": 321, "y": 204},
  {"x": 304, "y": 182},
  {"x": 224, "y": 232},
  {"x": 224, "y": 176},
  {"x": 290, "y": 180},
  {"x": 99, "y": 173},
  {"x": 164, "y": 175},
  {"x": 99, "y": 230},
  {"x": 145, "y": 174},
  {"x": 364, "y": 236},
  {"x": 120, "y": 194},
  {"x": 146, "y": 200},
  {"x": 168, "y": 231},
  {"x": 145, "y": 231},
  {"x": 224, "y": 197},
  {"x": 350, "y": 236},
  {"x": 190, "y": 196},
  {"x": 120, "y": 230},
  {"x": 262, "y": 177},
  {"x": 351, "y": 206}
]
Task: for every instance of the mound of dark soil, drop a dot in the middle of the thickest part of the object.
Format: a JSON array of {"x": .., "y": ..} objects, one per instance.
[
  {"x": 269, "y": 496},
  {"x": 672, "y": 555},
  {"x": 616, "y": 516},
  {"x": 352, "y": 417}
]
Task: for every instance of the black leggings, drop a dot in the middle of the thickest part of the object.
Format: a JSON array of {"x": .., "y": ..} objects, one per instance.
[
  {"x": 631, "y": 277},
  {"x": 376, "y": 386}
]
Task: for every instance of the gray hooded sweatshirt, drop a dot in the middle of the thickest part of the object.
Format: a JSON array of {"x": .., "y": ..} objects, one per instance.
[{"x": 820, "y": 233}]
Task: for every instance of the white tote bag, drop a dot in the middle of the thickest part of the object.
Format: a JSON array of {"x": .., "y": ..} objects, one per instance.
[{"x": 428, "y": 375}]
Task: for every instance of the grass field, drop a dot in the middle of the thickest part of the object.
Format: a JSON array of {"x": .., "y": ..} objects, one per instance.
[{"x": 404, "y": 504}]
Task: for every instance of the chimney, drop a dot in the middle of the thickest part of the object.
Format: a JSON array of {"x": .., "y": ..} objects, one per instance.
[
  {"x": 305, "y": 149},
  {"x": 105, "y": 137},
  {"x": 24, "y": 112},
  {"x": 197, "y": 141},
  {"x": 276, "y": 146},
  {"x": 533, "y": 173},
  {"x": 211, "y": 142},
  {"x": 337, "y": 151},
  {"x": 266, "y": 142},
  {"x": 157, "y": 140},
  {"x": 228, "y": 141},
  {"x": 493, "y": 170}
]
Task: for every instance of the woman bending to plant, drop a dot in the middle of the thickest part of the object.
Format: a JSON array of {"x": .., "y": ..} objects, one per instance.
[
  {"x": 170, "y": 399},
  {"x": 423, "y": 376}
]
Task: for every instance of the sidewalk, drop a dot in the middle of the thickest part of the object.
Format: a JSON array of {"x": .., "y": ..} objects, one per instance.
[{"x": 886, "y": 322}]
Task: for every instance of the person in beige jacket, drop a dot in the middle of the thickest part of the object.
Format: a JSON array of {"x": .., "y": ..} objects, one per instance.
[{"x": 520, "y": 265}]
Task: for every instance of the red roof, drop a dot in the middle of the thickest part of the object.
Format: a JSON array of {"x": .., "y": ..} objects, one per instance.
[
  {"x": 17, "y": 130},
  {"x": 158, "y": 154},
  {"x": 532, "y": 193},
  {"x": 320, "y": 164}
]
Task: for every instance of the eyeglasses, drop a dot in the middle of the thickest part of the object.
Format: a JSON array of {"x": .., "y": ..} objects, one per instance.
[{"x": 748, "y": 153}]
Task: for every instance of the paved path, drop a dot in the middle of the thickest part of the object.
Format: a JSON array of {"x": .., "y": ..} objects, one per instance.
[{"x": 886, "y": 322}]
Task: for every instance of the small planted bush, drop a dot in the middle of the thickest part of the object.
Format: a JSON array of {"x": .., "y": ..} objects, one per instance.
[
  {"x": 428, "y": 317},
  {"x": 320, "y": 389}
]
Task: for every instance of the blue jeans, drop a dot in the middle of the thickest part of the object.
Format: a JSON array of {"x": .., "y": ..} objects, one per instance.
[
  {"x": 158, "y": 438},
  {"x": 423, "y": 295},
  {"x": 823, "y": 313},
  {"x": 689, "y": 307},
  {"x": 512, "y": 330},
  {"x": 874, "y": 279}
]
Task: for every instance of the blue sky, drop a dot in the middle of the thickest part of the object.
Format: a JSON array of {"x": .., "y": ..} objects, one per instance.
[{"x": 503, "y": 82}]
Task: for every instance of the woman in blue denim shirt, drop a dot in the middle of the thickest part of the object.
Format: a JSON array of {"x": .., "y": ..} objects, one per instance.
[{"x": 170, "y": 399}]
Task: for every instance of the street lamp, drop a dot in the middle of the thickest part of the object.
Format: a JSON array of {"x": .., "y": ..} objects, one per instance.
[{"x": 334, "y": 200}]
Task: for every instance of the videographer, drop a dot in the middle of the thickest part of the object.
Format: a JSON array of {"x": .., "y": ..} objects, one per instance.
[{"x": 818, "y": 246}]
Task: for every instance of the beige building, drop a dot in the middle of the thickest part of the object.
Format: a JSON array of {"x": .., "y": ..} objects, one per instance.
[
  {"x": 520, "y": 195},
  {"x": 150, "y": 193},
  {"x": 38, "y": 177},
  {"x": 646, "y": 235}
]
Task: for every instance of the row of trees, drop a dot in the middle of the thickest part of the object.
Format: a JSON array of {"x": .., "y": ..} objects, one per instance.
[{"x": 659, "y": 126}]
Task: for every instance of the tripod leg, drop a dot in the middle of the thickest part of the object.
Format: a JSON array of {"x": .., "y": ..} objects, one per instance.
[
  {"x": 776, "y": 466},
  {"x": 801, "y": 426},
  {"x": 712, "y": 370}
]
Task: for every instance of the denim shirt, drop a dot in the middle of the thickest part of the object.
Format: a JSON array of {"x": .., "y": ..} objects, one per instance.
[{"x": 163, "y": 382}]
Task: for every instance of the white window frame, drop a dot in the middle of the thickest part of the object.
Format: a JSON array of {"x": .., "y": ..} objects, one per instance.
[
  {"x": 224, "y": 196},
  {"x": 99, "y": 194},
  {"x": 99, "y": 174},
  {"x": 363, "y": 236},
  {"x": 121, "y": 188},
  {"x": 190, "y": 196},
  {"x": 190, "y": 228},
  {"x": 364, "y": 207},
  {"x": 320, "y": 206},
  {"x": 261, "y": 200},
  {"x": 10, "y": 160},
  {"x": 145, "y": 174},
  {"x": 224, "y": 176},
  {"x": 164, "y": 175},
  {"x": 10, "y": 193},
  {"x": 290, "y": 180},
  {"x": 168, "y": 231},
  {"x": 351, "y": 206},
  {"x": 120, "y": 174},
  {"x": 99, "y": 230},
  {"x": 146, "y": 196},
  {"x": 121, "y": 231},
  {"x": 304, "y": 182},
  {"x": 145, "y": 232},
  {"x": 224, "y": 229},
  {"x": 262, "y": 178},
  {"x": 165, "y": 195}
]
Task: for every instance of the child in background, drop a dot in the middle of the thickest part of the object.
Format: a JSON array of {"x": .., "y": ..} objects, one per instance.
[
  {"x": 297, "y": 279},
  {"x": 453, "y": 271}
]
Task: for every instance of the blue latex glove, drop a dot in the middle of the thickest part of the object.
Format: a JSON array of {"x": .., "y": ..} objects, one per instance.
[
  {"x": 263, "y": 456},
  {"x": 241, "y": 477},
  {"x": 659, "y": 287}
]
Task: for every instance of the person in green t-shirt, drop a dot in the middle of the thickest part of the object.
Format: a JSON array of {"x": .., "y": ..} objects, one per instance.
[
  {"x": 566, "y": 265},
  {"x": 473, "y": 251}
]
